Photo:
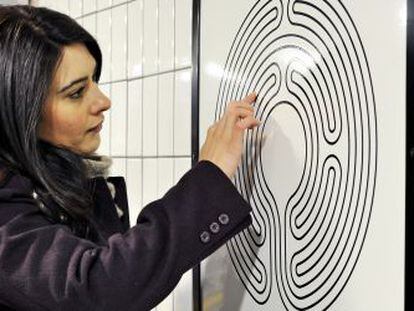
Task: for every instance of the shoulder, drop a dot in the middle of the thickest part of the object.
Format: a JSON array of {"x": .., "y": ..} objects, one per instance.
[
  {"x": 5, "y": 174},
  {"x": 14, "y": 185}
]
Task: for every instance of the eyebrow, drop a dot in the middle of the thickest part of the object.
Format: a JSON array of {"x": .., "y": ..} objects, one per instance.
[{"x": 74, "y": 82}]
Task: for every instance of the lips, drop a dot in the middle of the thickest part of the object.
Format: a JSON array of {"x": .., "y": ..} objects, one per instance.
[{"x": 96, "y": 128}]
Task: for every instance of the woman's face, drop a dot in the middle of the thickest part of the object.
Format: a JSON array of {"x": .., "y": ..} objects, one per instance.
[{"x": 73, "y": 113}]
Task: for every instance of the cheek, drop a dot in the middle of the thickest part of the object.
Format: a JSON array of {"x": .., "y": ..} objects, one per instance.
[{"x": 68, "y": 125}]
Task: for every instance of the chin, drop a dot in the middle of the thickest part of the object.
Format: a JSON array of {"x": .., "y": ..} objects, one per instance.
[{"x": 91, "y": 147}]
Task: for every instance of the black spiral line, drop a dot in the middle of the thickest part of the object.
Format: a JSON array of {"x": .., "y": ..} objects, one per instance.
[{"x": 307, "y": 56}]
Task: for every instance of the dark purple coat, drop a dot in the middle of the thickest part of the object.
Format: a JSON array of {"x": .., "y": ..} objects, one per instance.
[{"x": 44, "y": 266}]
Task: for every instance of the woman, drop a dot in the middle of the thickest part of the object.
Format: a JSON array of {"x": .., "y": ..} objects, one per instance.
[{"x": 65, "y": 239}]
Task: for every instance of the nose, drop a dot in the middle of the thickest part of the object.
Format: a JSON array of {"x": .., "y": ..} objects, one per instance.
[{"x": 101, "y": 102}]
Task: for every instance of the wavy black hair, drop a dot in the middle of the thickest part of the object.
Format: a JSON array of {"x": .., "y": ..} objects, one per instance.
[{"x": 31, "y": 47}]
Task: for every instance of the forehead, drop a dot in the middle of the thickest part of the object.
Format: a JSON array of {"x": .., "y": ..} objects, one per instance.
[{"x": 76, "y": 62}]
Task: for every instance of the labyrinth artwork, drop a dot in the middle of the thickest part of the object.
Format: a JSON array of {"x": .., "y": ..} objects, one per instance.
[{"x": 309, "y": 170}]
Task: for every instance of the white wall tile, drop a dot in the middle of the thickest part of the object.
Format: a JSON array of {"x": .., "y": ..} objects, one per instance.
[
  {"x": 183, "y": 13},
  {"x": 104, "y": 40},
  {"x": 80, "y": 21},
  {"x": 62, "y": 6},
  {"x": 165, "y": 175},
  {"x": 42, "y": 3},
  {"x": 115, "y": 2},
  {"x": 118, "y": 119},
  {"x": 119, "y": 42},
  {"x": 104, "y": 147},
  {"x": 149, "y": 116},
  {"x": 89, "y": 6},
  {"x": 150, "y": 188},
  {"x": 51, "y": 4},
  {"x": 150, "y": 36},
  {"x": 89, "y": 23},
  {"x": 102, "y": 4},
  {"x": 134, "y": 188},
  {"x": 134, "y": 142},
  {"x": 135, "y": 38},
  {"x": 118, "y": 167},
  {"x": 182, "y": 113},
  {"x": 166, "y": 115},
  {"x": 183, "y": 298},
  {"x": 75, "y": 8},
  {"x": 181, "y": 166},
  {"x": 167, "y": 304},
  {"x": 166, "y": 35}
]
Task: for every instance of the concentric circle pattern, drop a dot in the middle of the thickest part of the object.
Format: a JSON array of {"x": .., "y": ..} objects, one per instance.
[{"x": 309, "y": 170}]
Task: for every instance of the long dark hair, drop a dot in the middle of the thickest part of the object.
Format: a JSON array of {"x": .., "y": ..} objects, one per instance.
[{"x": 31, "y": 45}]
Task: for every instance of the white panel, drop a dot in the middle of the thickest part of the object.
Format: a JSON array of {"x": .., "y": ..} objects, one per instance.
[
  {"x": 134, "y": 188},
  {"x": 166, "y": 114},
  {"x": 150, "y": 36},
  {"x": 102, "y": 4},
  {"x": 150, "y": 188},
  {"x": 135, "y": 38},
  {"x": 165, "y": 175},
  {"x": 118, "y": 119},
  {"x": 149, "y": 115},
  {"x": 115, "y": 2},
  {"x": 166, "y": 41},
  {"x": 89, "y": 6},
  {"x": 119, "y": 42},
  {"x": 89, "y": 23},
  {"x": 104, "y": 40},
  {"x": 104, "y": 147},
  {"x": 182, "y": 113},
  {"x": 75, "y": 8},
  {"x": 327, "y": 163},
  {"x": 183, "y": 13},
  {"x": 134, "y": 143},
  {"x": 118, "y": 167}
]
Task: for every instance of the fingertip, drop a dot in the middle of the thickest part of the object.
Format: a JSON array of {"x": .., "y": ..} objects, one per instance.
[{"x": 251, "y": 97}]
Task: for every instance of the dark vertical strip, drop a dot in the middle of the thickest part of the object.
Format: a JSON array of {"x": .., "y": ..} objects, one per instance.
[
  {"x": 409, "y": 305},
  {"x": 195, "y": 124}
]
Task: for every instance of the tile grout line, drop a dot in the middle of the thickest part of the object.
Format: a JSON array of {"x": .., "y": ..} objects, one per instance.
[
  {"x": 126, "y": 46},
  {"x": 104, "y": 9},
  {"x": 158, "y": 92},
  {"x": 111, "y": 84},
  {"x": 154, "y": 157},
  {"x": 142, "y": 103},
  {"x": 150, "y": 75}
]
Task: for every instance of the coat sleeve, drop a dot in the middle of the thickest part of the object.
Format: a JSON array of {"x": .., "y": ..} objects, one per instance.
[{"x": 43, "y": 266}]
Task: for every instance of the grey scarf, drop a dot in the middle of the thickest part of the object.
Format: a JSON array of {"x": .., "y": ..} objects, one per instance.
[{"x": 98, "y": 166}]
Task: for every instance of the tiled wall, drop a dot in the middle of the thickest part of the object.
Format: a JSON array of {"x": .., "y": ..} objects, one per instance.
[{"x": 146, "y": 46}]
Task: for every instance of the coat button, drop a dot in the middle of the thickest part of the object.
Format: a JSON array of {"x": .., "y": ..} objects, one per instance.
[
  {"x": 63, "y": 218},
  {"x": 35, "y": 195},
  {"x": 214, "y": 227},
  {"x": 205, "y": 237},
  {"x": 224, "y": 219}
]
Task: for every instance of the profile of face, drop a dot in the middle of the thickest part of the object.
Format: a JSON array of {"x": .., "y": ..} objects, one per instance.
[{"x": 72, "y": 115}]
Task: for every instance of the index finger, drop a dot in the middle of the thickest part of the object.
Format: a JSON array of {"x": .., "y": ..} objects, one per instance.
[{"x": 249, "y": 99}]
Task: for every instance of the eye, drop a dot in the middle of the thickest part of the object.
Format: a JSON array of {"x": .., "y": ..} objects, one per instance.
[{"x": 78, "y": 94}]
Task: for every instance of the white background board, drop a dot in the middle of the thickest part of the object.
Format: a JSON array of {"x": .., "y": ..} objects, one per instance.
[{"x": 371, "y": 36}]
